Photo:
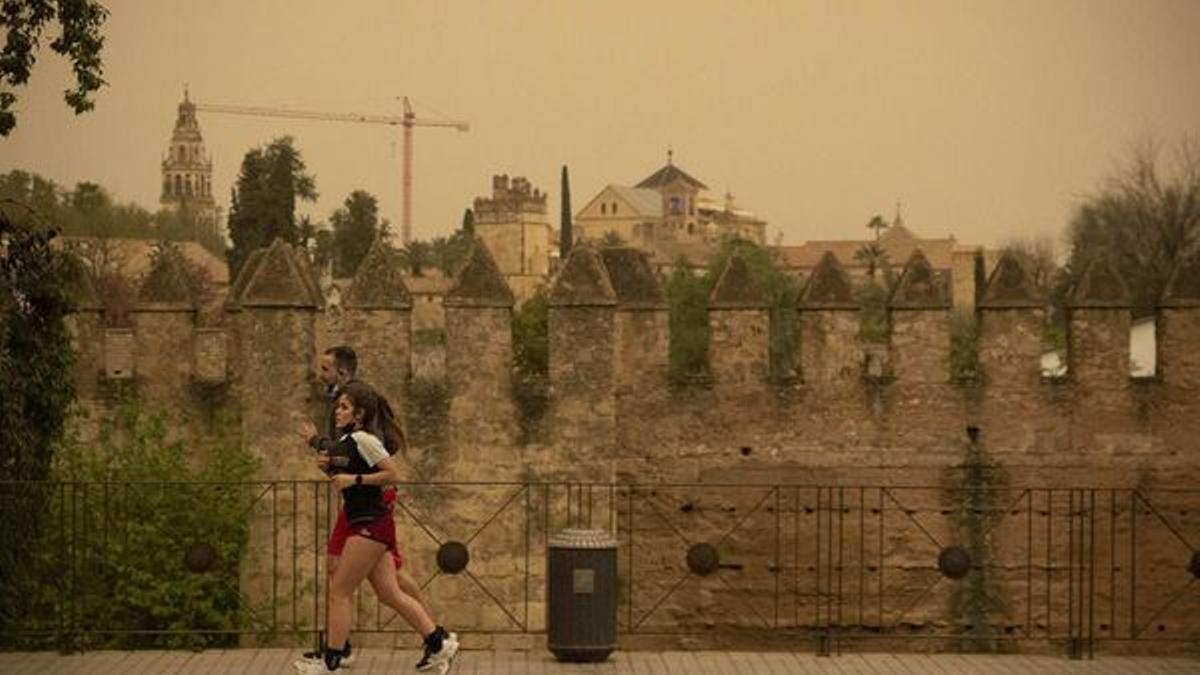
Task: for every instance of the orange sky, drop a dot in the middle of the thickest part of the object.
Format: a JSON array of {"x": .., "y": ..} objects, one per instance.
[{"x": 985, "y": 119}]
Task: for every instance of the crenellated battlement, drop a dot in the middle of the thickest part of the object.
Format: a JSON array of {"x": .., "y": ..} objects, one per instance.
[
  {"x": 511, "y": 198},
  {"x": 612, "y": 405}
]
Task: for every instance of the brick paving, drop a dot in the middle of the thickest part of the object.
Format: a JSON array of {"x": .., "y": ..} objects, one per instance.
[{"x": 381, "y": 661}]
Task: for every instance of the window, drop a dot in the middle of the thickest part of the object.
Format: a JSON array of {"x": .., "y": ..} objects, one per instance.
[
  {"x": 603, "y": 209},
  {"x": 676, "y": 205},
  {"x": 1143, "y": 349},
  {"x": 178, "y": 185},
  {"x": 614, "y": 208},
  {"x": 691, "y": 206}
]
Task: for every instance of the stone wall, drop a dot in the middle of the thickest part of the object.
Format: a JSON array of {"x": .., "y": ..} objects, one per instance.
[{"x": 614, "y": 414}]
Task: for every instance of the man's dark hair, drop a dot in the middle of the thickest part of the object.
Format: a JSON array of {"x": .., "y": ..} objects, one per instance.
[{"x": 344, "y": 358}]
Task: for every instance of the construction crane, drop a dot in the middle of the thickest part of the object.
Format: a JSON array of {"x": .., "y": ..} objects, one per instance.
[{"x": 408, "y": 120}]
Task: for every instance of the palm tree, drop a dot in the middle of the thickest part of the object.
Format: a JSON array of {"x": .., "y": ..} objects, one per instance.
[
  {"x": 873, "y": 256},
  {"x": 878, "y": 224},
  {"x": 416, "y": 255}
]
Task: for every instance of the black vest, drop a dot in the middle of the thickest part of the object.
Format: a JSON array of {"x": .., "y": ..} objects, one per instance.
[{"x": 363, "y": 503}]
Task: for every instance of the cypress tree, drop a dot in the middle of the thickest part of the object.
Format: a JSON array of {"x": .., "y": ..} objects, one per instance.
[{"x": 564, "y": 239}]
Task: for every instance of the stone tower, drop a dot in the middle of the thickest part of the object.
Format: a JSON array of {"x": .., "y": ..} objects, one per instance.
[
  {"x": 516, "y": 230},
  {"x": 187, "y": 170}
]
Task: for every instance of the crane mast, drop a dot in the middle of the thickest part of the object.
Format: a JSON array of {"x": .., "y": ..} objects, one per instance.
[{"x": 407, "y": 121}]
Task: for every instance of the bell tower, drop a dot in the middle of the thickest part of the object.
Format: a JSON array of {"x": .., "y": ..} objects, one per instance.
[{"x": 187, "y": 170}]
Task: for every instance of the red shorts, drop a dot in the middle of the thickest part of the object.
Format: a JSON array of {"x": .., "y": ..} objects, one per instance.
[{"x": 382, "y": 530}]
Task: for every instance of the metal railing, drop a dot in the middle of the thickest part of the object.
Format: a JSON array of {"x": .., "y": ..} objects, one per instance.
[{"x": 205, "y": 564}]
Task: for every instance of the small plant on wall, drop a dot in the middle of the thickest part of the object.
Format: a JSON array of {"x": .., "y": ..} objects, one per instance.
[{"x": 531, "y": 361}]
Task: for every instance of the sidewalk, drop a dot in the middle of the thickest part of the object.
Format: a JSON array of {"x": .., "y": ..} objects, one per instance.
[{"x": 380, "y": 661}]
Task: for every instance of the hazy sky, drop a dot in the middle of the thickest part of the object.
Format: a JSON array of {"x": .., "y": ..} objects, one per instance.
[{"x": 985, "y": 119}]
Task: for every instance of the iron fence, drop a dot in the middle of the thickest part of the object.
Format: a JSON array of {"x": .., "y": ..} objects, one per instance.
[{"x": 205, "y": 564}]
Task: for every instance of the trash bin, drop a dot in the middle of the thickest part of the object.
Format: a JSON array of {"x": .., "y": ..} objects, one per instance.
[{"x": 581, "y": 595}]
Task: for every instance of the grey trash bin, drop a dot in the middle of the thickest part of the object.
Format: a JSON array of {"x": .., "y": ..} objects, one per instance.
[{"x": 581, "y": 595}]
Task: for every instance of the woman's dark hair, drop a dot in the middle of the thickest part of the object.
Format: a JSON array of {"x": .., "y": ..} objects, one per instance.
[{"x": 378, "y": 417}]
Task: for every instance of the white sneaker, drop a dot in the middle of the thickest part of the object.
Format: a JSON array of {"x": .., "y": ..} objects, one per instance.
[
  {"x": 311, "y": 666},
  {"x": 440, "y": 661}
]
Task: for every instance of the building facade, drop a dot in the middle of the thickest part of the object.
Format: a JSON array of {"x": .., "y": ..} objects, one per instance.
[
  {"x": 516, "y": 230},
  {"x": 666, "y": 215},
  {"x": 187, "y": 170}
]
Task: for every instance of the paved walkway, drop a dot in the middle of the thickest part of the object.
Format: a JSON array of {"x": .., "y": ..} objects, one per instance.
[{"x": 380, "y": 661}]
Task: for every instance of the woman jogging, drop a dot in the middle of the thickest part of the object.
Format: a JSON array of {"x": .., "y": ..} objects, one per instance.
[{"x": 362, "y": 467}]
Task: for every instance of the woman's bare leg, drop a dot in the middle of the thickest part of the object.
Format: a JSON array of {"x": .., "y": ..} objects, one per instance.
[
  {"x": 359, "y": 557},
  {"x": 387, "y": 588},
  {"x": 410, "y": 587}
]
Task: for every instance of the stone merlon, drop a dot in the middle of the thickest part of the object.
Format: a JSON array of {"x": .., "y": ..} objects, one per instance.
[
  {"x": 378, "y": 283},
  {"x": 583, "y": 282},
  {"x": 920, "y": 286},
  {"x": 479, "y": 282},
  {"x": 828, "y": 287},
  {"x": 633, "y": 279},
  {"x": 737, "y": 288}
]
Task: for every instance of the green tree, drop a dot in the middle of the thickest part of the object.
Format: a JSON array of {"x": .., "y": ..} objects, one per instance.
[
  {"x": 323, "y": 250},
  {"x": 416, "y": 256},
  {"x": 263, "y": 205},
  {"x": 40, "y": 194},
  {"x": 565, "y": 231},
  {"x": 80, "y": 41},
  {"x": 36, "y": 361},
  {"x": 449, "y": 253},
  {"x": 36, "y": 283},
  {"x": 1145, "y": 220},
  {"x": 90, "y": 210},
  {"x": 355, "y": 227}
]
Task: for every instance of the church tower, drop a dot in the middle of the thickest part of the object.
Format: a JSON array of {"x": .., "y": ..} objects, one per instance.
[{"x": 187, "y": 170}]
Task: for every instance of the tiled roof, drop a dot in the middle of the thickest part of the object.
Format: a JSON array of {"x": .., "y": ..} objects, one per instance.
[
  {"x": 669, "y": 174},
  {"x": 898, "y": 242},
  {"x": 644, "y": 202},
  {"x": 134, "y": 256}
]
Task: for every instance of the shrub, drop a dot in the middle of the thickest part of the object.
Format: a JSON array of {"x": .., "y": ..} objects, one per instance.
[
  {"x": 125, "y": 520},
  {"x": 873, "y": 324},
  {"x": 688, "y": 296}
]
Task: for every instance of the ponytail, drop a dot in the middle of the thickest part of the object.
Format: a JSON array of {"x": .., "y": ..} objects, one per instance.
[
  {"x": 393, "y": 433},
  {"x": 378, "y": 417}
]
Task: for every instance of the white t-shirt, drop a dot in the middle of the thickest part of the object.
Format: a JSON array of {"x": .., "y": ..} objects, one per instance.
[{"x": 369, "y": 447}]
